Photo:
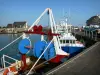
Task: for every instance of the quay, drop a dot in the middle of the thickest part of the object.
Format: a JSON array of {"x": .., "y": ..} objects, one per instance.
[
  {"x": 87, "y": 35},
  {"x": 16, "y": 30},
  {"x": 85, "y": 63},
  {"x": 12, "y": 30},
  {"x": 16, "y": 27}
]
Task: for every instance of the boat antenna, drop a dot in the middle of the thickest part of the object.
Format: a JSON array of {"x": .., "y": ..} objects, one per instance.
[
  {"x": 63, "y": 12},
  {"x": 69, "y": 16}
]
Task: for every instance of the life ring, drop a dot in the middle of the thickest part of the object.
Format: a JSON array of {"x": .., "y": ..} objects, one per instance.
[
  {"x": 15, "y": 67},
  {"x": 10, "y": 71}
]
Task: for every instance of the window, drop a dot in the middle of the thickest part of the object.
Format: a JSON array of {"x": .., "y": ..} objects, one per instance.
[
  {"x": 71, "y": 41},
  {"x": 67, "y": 41},
  {"x": 63, "y": 41},
  {"x": 60, "y": 41}
]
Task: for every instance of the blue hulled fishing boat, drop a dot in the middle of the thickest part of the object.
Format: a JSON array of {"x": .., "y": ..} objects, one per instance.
[
  {"x": 68, "y": 42},
  {"x": 53, "y": 49}
]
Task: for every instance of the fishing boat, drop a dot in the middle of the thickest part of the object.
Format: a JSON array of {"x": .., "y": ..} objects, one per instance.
[
  {"x": 49, "y": 50},
  {"x": 53, "y": 49},
  {"x": 68, "y": 42}
]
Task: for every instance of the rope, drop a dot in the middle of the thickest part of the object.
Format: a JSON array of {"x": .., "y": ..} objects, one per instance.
[
  {"x": 39, "y": 57},
  {"x": 10, "y": 43}
]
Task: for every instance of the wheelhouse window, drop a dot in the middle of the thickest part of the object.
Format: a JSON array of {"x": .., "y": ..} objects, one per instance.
[
  {"x": 71, "y": 41},
  {"x": 61, "y": 41},
  {"x": 67, "y": 41},
  {"x": 64, "y": 41}
]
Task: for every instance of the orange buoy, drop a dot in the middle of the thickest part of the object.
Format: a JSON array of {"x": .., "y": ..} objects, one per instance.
[{"x": 11, "y": 70}]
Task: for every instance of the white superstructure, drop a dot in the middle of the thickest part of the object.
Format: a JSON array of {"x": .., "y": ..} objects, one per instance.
[{"x": 66, "y": 38}]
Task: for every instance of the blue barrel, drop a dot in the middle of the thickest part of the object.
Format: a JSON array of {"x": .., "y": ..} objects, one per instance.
[
  {"x": 22, "y": 44},
  {"x": 50, "y": 52},
  {"x": 39, "y": 48}
]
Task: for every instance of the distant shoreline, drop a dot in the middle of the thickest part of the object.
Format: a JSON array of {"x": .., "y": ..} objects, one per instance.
[{"x": 10, "y": 33}]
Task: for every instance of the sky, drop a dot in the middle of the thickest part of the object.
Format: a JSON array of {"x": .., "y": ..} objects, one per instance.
[{"x": 77, "y": 11}]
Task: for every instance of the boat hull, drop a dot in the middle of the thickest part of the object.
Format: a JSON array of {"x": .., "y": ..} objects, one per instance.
[
  {"x": 71, "y": 49},
  {"x": 57, "y": 58}
]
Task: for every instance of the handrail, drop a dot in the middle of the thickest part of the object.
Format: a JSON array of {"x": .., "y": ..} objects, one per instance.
[
  {"x": 4, "y": 61},
  {"x": 8, "y": 62},
  {"x": 11, "y": 58}
]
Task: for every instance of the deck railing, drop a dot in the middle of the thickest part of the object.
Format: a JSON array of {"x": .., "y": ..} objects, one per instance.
[{"x": 3, "y": 61}]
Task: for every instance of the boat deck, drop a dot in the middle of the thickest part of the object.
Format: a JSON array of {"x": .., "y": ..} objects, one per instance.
[{"x": 85, "y": 63}]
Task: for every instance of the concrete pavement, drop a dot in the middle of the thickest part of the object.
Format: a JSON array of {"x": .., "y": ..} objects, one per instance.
[{"x": 85, "y": 63}]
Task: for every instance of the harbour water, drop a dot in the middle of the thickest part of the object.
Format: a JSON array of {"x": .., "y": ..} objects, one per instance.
[{"x": 12, "y": 50}]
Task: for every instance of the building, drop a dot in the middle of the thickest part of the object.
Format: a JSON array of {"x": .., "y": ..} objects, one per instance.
[
  {"x": 17, "y": 27},
  {"x": 10, "y": 26},
  {"x": 20, "y": 24}
]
